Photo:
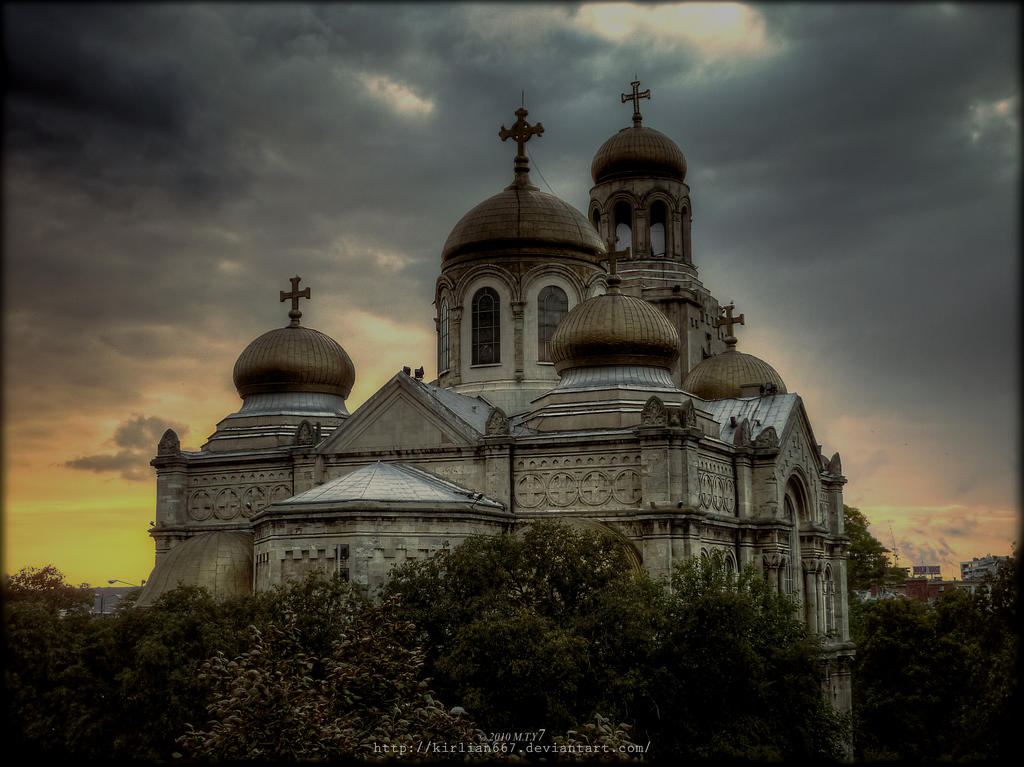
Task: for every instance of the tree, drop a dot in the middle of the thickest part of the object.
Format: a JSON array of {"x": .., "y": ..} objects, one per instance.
[
  {"x": 366, "y": 698},
  {"x": 539, "y": 630},
  {"x": 48, "y": 586},
  {"x": 547, "y": 628},
  {"x": 737, "y": 674},
  {"x": 867, "y": 562},
  {"x": 939, "y": 682}
]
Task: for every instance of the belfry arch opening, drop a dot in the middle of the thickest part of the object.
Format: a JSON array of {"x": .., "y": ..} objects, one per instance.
[
  {"x": 623, "y": 219},
  {"x": 659, "y": 230}
]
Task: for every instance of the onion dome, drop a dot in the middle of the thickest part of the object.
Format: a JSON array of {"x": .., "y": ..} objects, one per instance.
[
  {"x": 614, "y": 329},
  {"x": 220, "y": 560},
  {"x": 638, "y": 151},
  {"x": 726, "y": 375},
  {"x": 294, "y": 359},
  {"x": 522, "y": 219}
]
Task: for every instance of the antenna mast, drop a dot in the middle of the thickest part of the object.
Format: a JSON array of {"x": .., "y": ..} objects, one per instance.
[{"x": 895, "y": 551}]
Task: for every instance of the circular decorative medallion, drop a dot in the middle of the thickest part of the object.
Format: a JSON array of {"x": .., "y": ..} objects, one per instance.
[
  {"x": 562, "y": 489},
  {"x": 530, "y": 491},
  {"x": 595, "y": 489},
  {"x": 253, "y": 499},
  {"x": 705, "y": 491},
  {"x": 626, "y": 487},
  {"x": 718, "y": 493},
  {"x": 228, "y": 504},
  {"x": 200, "y": 507}
]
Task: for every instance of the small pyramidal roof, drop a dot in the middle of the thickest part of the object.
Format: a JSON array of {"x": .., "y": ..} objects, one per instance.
[{"x": 391, "y": 483}]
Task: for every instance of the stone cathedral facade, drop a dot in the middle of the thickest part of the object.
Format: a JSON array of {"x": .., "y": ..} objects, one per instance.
[{"x": 585, "y": 374}]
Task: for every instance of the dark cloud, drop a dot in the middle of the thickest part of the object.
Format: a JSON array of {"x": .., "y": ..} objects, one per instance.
[
  {"x": 129, "y": 463},
  {"x": 137, "y": 438},
  {"x": 143, "y": 433},
  {"x": 168, "y": 166}
]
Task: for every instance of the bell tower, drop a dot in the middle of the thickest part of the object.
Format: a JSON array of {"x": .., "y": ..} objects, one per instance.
[{"x": 640, "y": 201}]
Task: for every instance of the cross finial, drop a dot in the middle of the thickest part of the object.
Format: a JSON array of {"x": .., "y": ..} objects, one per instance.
[
  {"x": 521, "y": 132},
  {"x": 613, "y": 255},
  {"x": 635, "y": 97},
  {"x": 295, "y": 294},
  {"x": 728, "y": 321}
]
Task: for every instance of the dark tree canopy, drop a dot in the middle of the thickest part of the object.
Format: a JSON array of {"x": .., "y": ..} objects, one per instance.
[
  {"x": 543, "y": 629},
  {"x": 939, "y": 682},
  {"x": 867, "y": 560}
]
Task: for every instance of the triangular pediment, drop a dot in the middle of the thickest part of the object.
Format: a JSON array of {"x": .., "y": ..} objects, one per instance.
[{"x": 401, "y": 415}]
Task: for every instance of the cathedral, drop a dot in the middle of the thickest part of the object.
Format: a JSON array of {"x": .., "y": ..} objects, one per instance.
[{"x": 584, "y": 374}]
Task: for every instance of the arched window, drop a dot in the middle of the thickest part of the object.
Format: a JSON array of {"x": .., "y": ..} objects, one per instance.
[
  {"x": 442, "y": 338},
  {"x": 596, "y": 218},
  {"x": 552, "y": 305},
  {"x": 486, "y": 327},
  {"x": 828, "y": 587},
  {"x": 623, "y": 226},
  {"x": 658, "y": 216},
  {"x": 793, "y": 561},
  {"x": 682, "y": 234}
]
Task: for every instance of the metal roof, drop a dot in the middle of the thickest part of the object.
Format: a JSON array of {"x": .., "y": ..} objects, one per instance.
[{"x": 391, "y": 483}]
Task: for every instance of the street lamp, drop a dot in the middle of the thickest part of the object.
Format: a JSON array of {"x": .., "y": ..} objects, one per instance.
[{"x": 126, "y": 583}]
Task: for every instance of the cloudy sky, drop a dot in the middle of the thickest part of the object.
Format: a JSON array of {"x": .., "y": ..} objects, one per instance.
[{"x": 854, "y": 171}]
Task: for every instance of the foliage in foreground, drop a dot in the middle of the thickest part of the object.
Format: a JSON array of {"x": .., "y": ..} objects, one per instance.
[
  {"x": 365, "y": 697},
  {"x": 939, "y": 682},
  {"x": 543, "y": 629}
]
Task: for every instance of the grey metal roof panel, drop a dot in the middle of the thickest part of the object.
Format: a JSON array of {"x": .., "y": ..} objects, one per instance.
[
  {"x": 392, "y": 483},
  {"x": 772, "y": 410},
  {"x": 472, "y": 410}
]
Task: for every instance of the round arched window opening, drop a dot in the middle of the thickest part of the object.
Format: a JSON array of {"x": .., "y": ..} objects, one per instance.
[
  {"x": 552, "y": 306},
  {"x": 486, "y": 327}
]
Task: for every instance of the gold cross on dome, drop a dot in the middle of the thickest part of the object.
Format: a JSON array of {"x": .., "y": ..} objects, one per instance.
[
  {"x": 614, "y": 255},
  {"x": 295, "y": 294},
  {"x": 635, "y": 97},
  {"x": 521, "y": 131},
  {"x": 728, "y": 320}
]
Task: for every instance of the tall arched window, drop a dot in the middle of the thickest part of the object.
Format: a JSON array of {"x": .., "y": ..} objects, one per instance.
[
  {"x": 793, "y": 560},
  {"x": 442, "y": 338},
  {"x": 623, "y": 226},
  {"x": 828, "y": 587},
  {"x": 552, "y": 305},
  {"x": 486, "y": 327},
  {"x": 659, "y": 213}
]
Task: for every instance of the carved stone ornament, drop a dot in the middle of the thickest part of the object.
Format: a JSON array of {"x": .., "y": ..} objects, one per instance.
[
  {"x": 772, "y": 561},
  {"x": 812, "y": 565},
  {"x": 688, "y": 415},
  {"x": 742, "y": 435},
  {"x": 169, "y": 444},
  {"x": 304, "y": 434},
  {"x": 654, "y": 413},
  {"x": 674, "y": 416},
  {"x": 497, "y": 424},
  {"x": 835, "y": 465},
  {"x": 767, "y": 438}
]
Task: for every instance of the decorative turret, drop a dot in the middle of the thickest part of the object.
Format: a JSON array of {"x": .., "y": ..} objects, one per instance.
[
  {"x": 640, "y": 201},
  {"x": 284, "y": 377}
]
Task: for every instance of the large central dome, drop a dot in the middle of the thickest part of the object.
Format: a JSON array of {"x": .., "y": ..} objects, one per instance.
[{"x": 523, "y": 219}]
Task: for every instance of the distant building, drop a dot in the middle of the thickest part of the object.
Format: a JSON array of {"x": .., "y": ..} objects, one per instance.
[
  {"x": 979, "y": 567},
  {"x": 107, "y": 598}
]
